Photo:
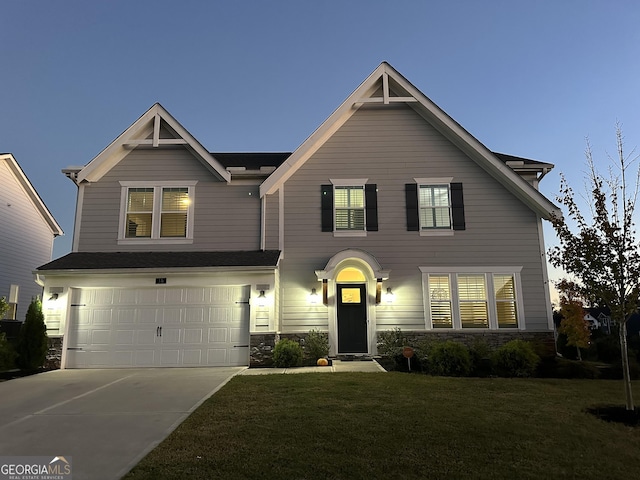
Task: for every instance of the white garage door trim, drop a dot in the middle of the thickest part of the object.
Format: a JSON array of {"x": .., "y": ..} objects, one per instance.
[{"x": 158, "y": 327}]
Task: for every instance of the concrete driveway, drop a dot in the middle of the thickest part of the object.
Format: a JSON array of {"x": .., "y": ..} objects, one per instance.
[{"x": 105, "y": 420}]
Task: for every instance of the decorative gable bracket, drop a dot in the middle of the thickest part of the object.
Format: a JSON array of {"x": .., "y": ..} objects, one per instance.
[
  {"x": 386, "y": 98},
  {"x": 155, "y": 141}
]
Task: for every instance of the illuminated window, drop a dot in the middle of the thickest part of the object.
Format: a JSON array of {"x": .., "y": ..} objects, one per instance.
[
  {"x": 157, "y": 212},
  {"x": 349, "y": 208}
]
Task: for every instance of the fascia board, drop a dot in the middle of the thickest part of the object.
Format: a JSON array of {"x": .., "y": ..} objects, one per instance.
[
  {"x": 431, "y": 113},
  {"x": 155, "y": 271},
  {"x": 115, "y": 151},
  {"x": 32, "y": 194},
  {"x": 460, "y": 137},
  {"x": 321, "y": 134}
]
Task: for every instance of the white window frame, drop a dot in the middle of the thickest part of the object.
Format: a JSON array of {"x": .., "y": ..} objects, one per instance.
[
  {"x": 488, "y": 272},
  {"x": 156, "y": 214},
  {"x": 349, "y": 182},
  {"x": 432, "y": 182}
]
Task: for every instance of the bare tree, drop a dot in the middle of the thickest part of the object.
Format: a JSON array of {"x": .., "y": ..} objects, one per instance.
[{"x": 602, "y": 255}]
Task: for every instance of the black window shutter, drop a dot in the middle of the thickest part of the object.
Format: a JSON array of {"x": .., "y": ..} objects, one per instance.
[
  {"x": 327, "y": 208},
  {"x": 371, "y": 206},
  {"x": 457, "y": 206},
  {"x": 411, "y": 195}
]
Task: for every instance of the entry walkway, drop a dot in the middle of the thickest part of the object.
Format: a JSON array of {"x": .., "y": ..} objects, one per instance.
[{"x": 336, "y": 367}]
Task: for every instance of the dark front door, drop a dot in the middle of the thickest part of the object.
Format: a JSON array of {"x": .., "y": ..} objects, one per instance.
[{"x": 352, "y": 318}]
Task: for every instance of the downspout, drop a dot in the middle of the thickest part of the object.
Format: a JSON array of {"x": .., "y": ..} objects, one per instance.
[{"x": 263, "y": 222}]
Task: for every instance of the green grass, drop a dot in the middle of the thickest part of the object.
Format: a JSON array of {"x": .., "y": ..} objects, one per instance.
[{"x": 370, "y": 426}]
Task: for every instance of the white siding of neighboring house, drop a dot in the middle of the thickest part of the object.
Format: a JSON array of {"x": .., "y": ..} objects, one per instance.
[
  {"x": 26, "y": 240},
  {"x": 390, "y": 146}
]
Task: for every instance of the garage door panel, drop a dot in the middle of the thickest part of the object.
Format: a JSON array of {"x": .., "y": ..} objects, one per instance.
[
  {"x": 170, "y": 357},
  {"x": 146, "y": 337},
  {"x": 101, "y": 316},
  {"x": 170, "y": 336},
  {"x": 123, "y": 358},
  {"x": 159, "y": 327},
  {"x": 125, "y": 337},
  {"x": 217, "y": 356},
  {"x": 126, "y": 316},
  {"x": 147, "y": 316},
  {"x": 192, "y": 357},
  {"x": 171, "y": 315},
  {"x": 218, "y": 335},
  {"x": 100, "y": 337},
  {"x": 145, "y": 358},
  {"x": 193, "y": 335}
]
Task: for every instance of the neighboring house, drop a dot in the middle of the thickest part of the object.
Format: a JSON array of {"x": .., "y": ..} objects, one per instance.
[
  {"x": 27, "y": 231},
  {"x": 389, "y": 215}
]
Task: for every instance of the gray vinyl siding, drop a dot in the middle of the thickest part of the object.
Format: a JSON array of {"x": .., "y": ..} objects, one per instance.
[
  {"x": 391, "y": 146},
  {"x": 26, "y": 241},
  {"x": 272, "y": 222},
  {"x": 226, "y": 217}
]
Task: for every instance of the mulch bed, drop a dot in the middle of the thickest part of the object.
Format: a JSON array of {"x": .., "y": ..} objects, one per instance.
[{"x": 617, "y": 414}]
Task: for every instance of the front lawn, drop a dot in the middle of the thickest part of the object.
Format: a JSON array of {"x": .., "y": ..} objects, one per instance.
[{"x": 383, "y": 426}]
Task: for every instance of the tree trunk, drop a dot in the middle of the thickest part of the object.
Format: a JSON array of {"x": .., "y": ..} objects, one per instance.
[
  {"x": 579, "y": 354},
  {"x": 625, "y": 366}
]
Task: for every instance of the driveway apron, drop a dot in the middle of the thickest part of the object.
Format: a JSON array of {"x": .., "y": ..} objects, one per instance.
[{"x": 105, "y": 420}]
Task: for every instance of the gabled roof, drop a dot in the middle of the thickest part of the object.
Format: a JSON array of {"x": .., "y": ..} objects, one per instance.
[
  {"x": 31, "y": 193},
  {"x": 84, "y": 261},
  {"x": 149, "y": 132},
  {"x": 397, "y": 89}
]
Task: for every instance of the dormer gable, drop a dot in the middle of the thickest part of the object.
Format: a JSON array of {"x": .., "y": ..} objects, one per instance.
[{"x": 155, "y": 129}]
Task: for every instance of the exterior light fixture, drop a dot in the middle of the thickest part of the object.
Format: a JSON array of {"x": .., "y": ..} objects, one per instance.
[
  {"x": 53, "y": 297},
  {"x": 314, "y": 297},
  {"x": 262, "y": 299},
  {"x": 389, "y": 296}
]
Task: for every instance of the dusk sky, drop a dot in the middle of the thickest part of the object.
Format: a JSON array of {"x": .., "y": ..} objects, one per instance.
[{"x": 526, "y": 78}]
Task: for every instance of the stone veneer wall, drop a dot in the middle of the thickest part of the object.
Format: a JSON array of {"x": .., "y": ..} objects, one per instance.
[
  {"x": 54, "y": 354},
  {"x": 261, "y": 349}
]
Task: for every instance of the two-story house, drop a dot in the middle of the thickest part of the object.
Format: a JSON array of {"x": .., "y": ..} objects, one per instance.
[
  {"x": 389, "y": 215},
  {"x": 27, "y": 232}
]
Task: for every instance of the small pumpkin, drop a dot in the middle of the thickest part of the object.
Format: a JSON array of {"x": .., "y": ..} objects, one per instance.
[{"x": 322, "y": 362}]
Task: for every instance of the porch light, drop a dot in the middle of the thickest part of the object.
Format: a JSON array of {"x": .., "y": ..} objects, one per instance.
[
  {"x": 262, "y": 299},
  {"x": 389, "y": 297},
  {"x": 314, "y": 297},
  {"x": 53, "y": 297}
]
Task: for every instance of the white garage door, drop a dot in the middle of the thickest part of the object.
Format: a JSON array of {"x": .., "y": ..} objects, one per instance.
[{"x": 158, "y": 327}]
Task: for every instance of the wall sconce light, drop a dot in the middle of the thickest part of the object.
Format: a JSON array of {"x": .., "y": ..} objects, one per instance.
[
  {"x": 389, "y": 297},
  {"x": 53, "y": 297},
  {"x": 314, "y": 297},
  {"x": 262, "y": 299}
]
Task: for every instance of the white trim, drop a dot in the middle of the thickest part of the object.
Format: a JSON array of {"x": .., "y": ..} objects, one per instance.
[
  {"x": 281, "y": 221},
  {"x": 545, "y": 276},
  {"x": 442, "y": 122},
  {"x": 348, "y": 182},
  {"x": 434, "y": 181},
  {"x": 263, "y": 222},
  {"x": 442, "y": 232},
  {"x": 349, "y": 233},
  {"x": 136, "y": 134},
  {"x": 31, "y": 193},
  {"x": 487, "y": 272},
  {"x": 75, "y": 244},
  {"x": 155, "y": 238}
]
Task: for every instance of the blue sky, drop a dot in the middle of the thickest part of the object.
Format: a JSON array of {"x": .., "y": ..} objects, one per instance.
[{"x": 527, "y": 78}]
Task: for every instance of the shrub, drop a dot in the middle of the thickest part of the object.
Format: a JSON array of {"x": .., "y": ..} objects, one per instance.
[
  {"x": 450, "y": 359},
  {"x": 7, "y": 353},
  {"x": 4, "y": 307},
  {"x": 32, "y": 341},
  {"x": 481, "y": 362},
  {"x": 391, "y": 342},
  {"x": 316, "y": 345},
  {"x": 287, "y": 353},
  {"x": 515, "y": 359}
]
